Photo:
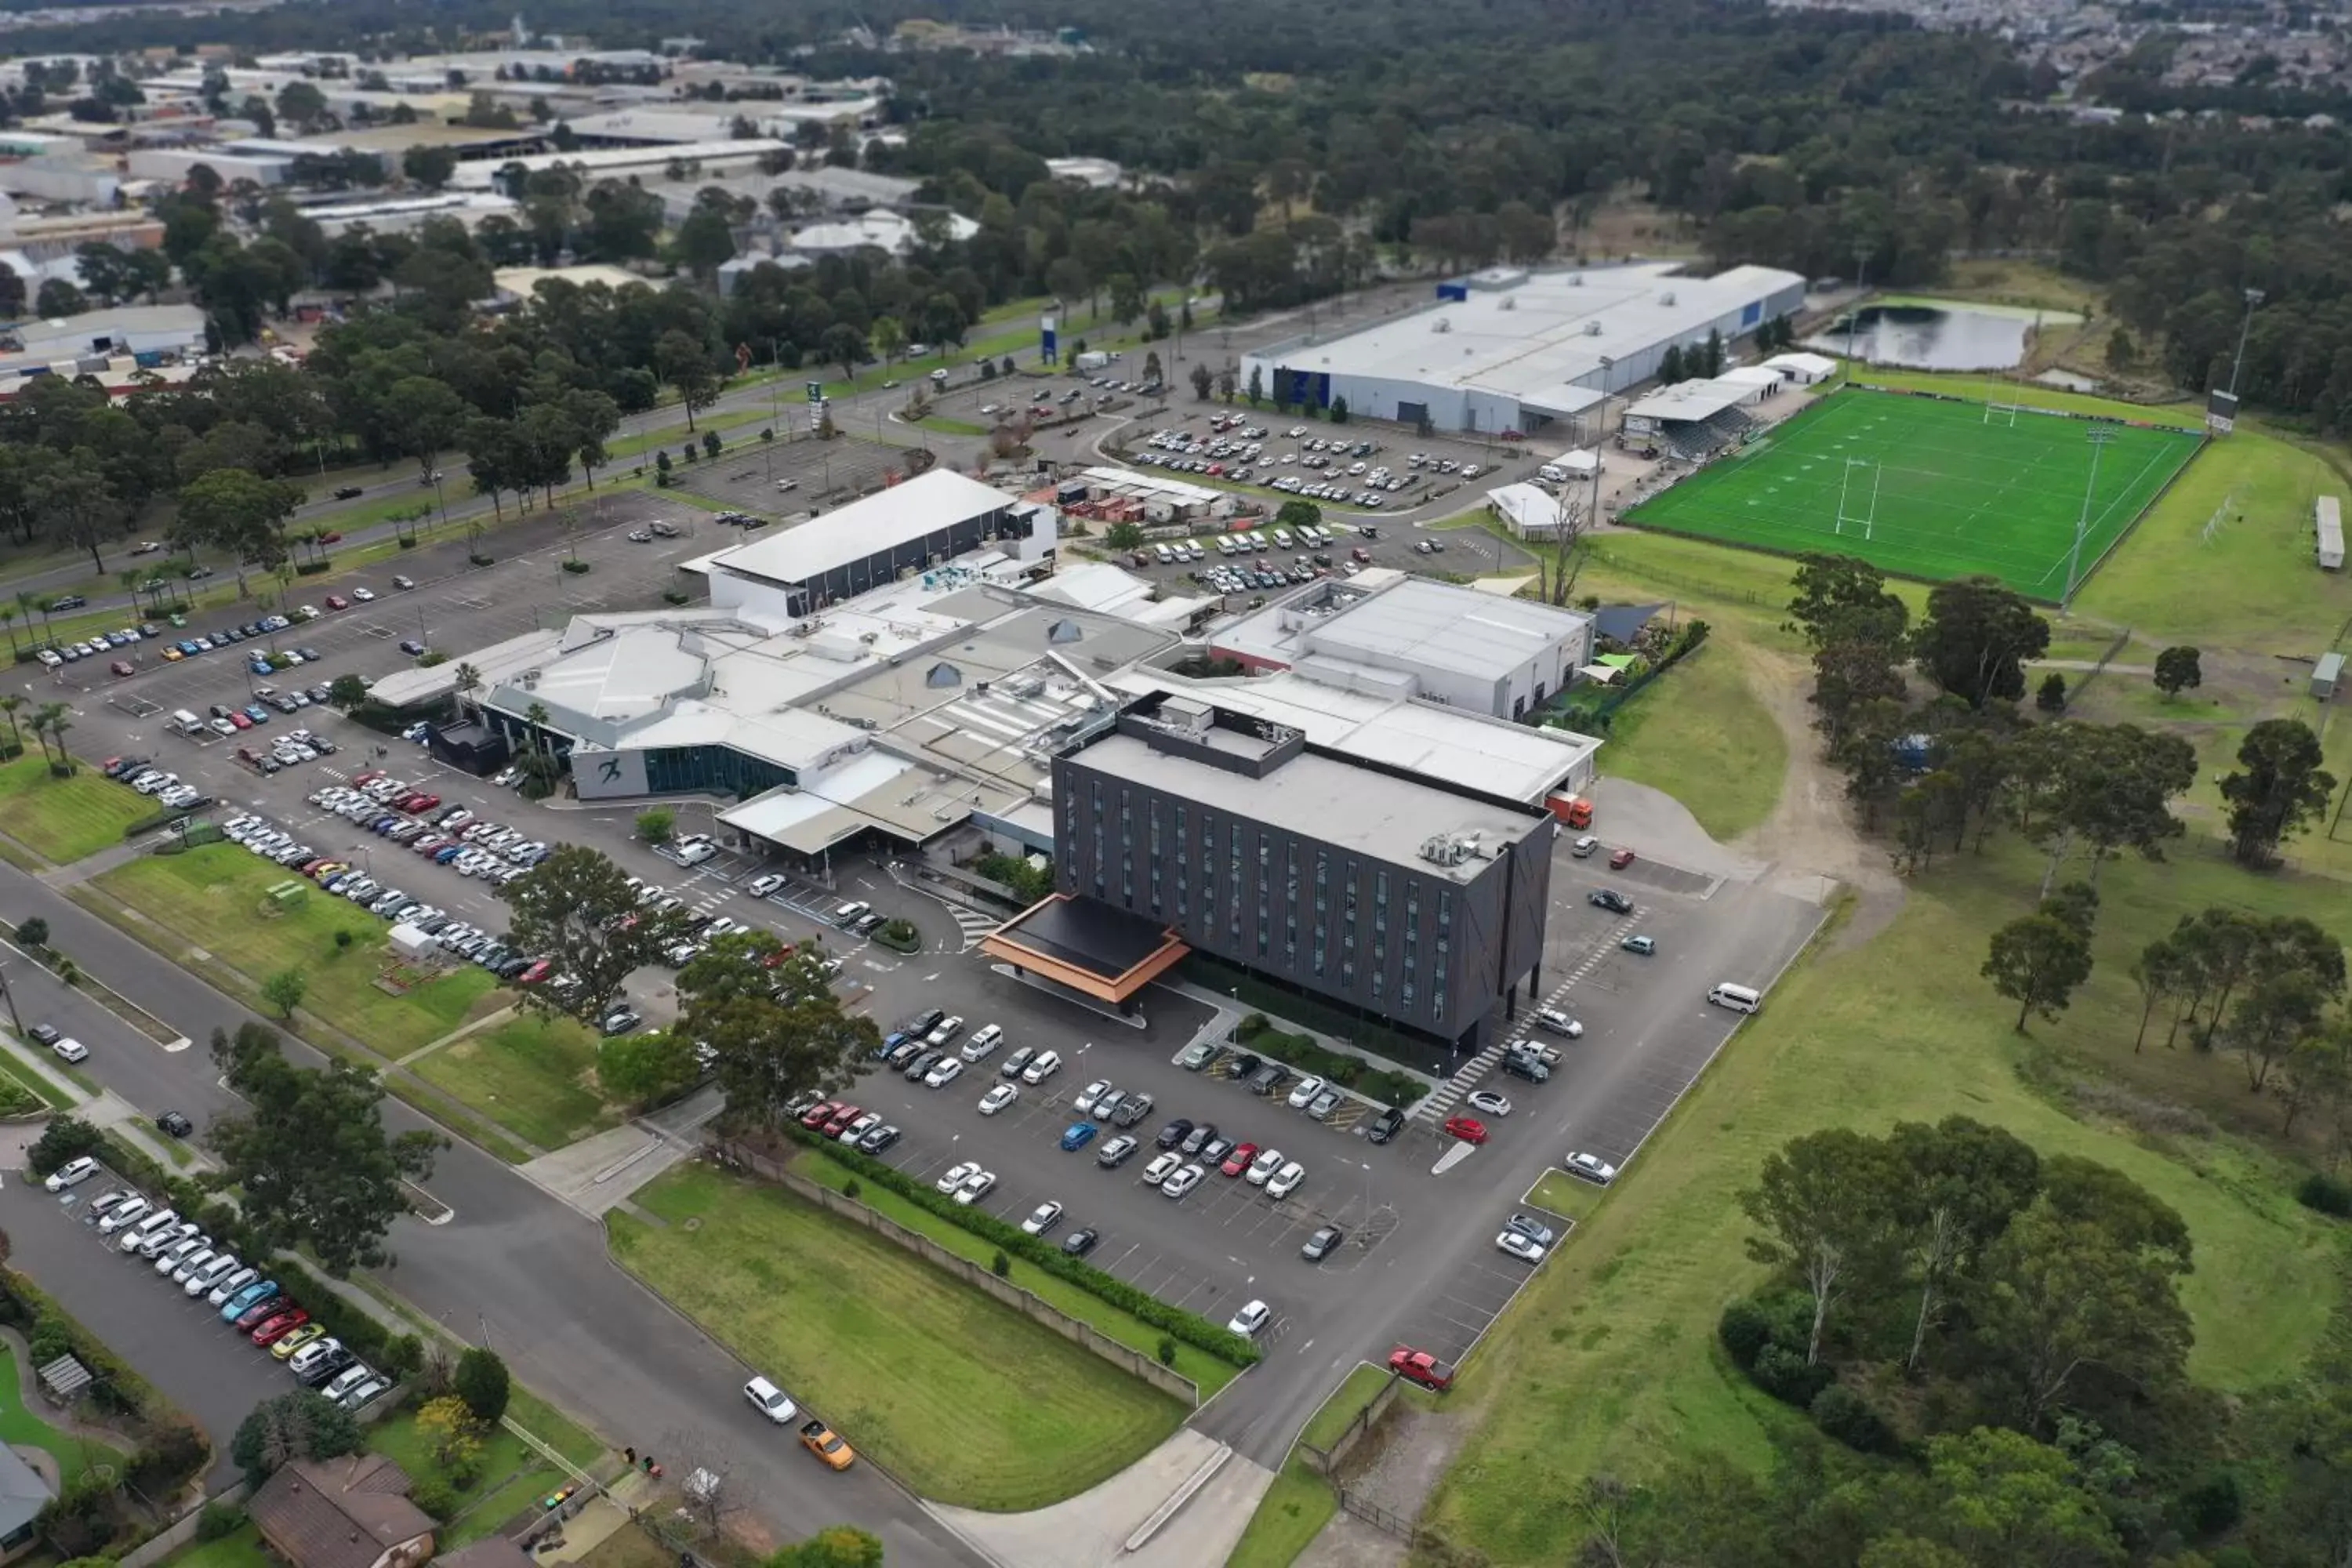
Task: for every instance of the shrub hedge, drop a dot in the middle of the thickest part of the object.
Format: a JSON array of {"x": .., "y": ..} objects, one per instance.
[
  {"x": 1189, "y": 1327},
  {"x": 2327, "y": 1194},
  {"x": 1353, "y": 1072}
]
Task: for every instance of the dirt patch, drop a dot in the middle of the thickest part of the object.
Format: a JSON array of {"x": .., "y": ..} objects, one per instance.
[
  {"x": 1400, "y": 1463},
  {"x": 1811, "y": 830}
]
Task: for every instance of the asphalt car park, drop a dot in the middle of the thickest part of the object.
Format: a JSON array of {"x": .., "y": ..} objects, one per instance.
[
  {"x": 175, "y": 1342},
  {"x": 750, "y": 474}
]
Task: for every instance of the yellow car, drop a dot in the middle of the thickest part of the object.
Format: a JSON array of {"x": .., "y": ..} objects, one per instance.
[
  {"x": 820, "y": 1440},
  {"x": 297, "y": 1340},
  {"x": 173, "y": 656}
]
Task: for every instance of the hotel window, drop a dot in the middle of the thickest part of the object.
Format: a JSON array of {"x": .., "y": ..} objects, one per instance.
[
  {"x": 1437, "y": 997},
  {"x": 1380, "y": 902},
  {"x": 1233, "y": 881},
  {"x": 1444, "y": 926}
]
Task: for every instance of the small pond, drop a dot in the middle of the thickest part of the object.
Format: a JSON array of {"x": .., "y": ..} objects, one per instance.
[{"x": 1931, "y": 337}]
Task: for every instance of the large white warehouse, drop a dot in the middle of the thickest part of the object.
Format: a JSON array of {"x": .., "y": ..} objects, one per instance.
[{"x": 1506, "y": 350}]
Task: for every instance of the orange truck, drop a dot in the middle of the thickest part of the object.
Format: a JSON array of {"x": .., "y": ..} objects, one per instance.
[
  {"x": 821, "y": 1440},
  {"x": 1572, "y": 809}
]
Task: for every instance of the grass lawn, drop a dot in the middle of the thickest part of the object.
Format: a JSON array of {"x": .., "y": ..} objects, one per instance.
[
  {"x": 65, "y": 819},
  {"x": 1557, "y": 1192},
  {"x": 1347, "y": 1401},
  {"x": 497, "y": 1497},
  {"x": 1945, "y": 494},
  {"x": 1291, "y": 1513},
  {"x": 965, "y": 1400},
  {"x": 533, "y": 1076},
  {"x": 2225, "y": 558},
  {"x": 942, "y": 425},
  {"x": 210, "y": 898},
  {"x": 240, "y": 1549},
  {"x": 37, "y": 1089},
  {"x": 1609, "y": 1358},
  {"x": 1699, "y": 733},
  {"x": 2034, "y": 394},
  {"x": 18, "y": 1424},
  {"x": 1207, "y": 1371},
  {"x": 554, "y": 1429}
]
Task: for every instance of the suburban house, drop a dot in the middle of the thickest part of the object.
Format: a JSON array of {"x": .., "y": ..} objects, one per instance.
[{"x": 351, "y": 1512}]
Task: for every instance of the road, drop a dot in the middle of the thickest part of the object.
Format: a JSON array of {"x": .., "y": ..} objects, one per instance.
[{"x": 515, "y": 1267}]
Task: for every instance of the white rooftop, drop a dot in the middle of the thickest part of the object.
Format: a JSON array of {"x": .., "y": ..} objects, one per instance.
[
  {"x": 1689, "y": 401},
  {"x": 1445, "y": 626},
  {"x": 481, "y": 173},
  {"x": 1527, "y": 509},
  {"x": 1538, "y": 338},
  {"x": 928, "y": 503},
  {"x": 1445, "y": 743}
]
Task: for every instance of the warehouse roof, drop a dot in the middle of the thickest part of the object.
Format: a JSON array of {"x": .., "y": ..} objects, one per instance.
[
  {"x": 929, "y": 503},
  {"x": 1540, "y": 337},
  {"x": 1446, "y": 626}
]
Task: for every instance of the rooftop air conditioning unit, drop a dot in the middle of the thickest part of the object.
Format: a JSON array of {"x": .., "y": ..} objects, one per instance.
[
  {"x": 1576, "y": 280},
  {"x": 1667, "y": 298},
  {"x": 1509, "y": 304},
  {"x": 1591, "y": 328},
  {"x": 1441, "y": 325}
]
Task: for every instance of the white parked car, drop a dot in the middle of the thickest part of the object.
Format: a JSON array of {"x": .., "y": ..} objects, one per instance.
[
  {"x": 1043, "y": 1218},
  {"x": 948, "y": 1069},
  {"x": 769, "y": 1401},
  {"x": 1263, "y": 1168},
  {"x": 1520, "y": 1246},
  {"x": 1488, "y": 1101},
  {"x": 1089, "y": 1095},
  {"x": 80, "y": 1169},
  {"x": 1042, "y": 1066},
  {"x": 1591, "y": 1168},
  {"x": 998, "y": 1097},
  {"x": 1160, "y": 1168},
  {"x": 1303, "y": 1093},
  {"x": 975, "y": 1186},
  {"x": 1285, "y": 1182},
  {"x": 1252, "y": 1320},
  {"x": 956, "y": 1174},
  {"x": 762, "y": 886},
  {"x": 982, "y": 1041},
  {"x": 1558, "y": 1023},
  {"x": 1182, "y": 1181}
]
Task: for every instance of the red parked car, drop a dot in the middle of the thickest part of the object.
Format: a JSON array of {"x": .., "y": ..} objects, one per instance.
[
  {"x": 538, "y": 972},
  {"x": 1619, "y": 861},
  {"x": 337, "y": 602},
  {"x": 361, "y": 780},
  {"x": 820, "y": 1113},
  {"x": 261, "y": 1312},
  {"x": 840, "y": 1117},
  {"x": 1239, "y": 1160},
  {"x": 1469, "y": 1129},
  {"x": 273, "y": 1329},
  {"x": 420, "y": 802}
]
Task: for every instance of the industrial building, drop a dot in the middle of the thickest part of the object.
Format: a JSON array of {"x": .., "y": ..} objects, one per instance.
[
  {"x": 1183, "y": 825},
  {"x": 648, "y": 165},
  {"x": 122, "y": 337},
  {"x": 1412, "y": 636},
  {"x": 1508, "y": 350},
  {"x": 927, "y": 520}
]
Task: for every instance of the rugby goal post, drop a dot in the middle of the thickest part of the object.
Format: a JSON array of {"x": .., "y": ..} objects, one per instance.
[{"x": 1863, "y": 513}]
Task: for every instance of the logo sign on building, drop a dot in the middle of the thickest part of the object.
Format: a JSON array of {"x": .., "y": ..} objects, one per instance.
[{"x": 1048, "y": 340}]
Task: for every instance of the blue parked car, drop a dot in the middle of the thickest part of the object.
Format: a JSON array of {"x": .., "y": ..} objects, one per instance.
[
  {"x": 258, "y": 713},
  {"x": 259, "y": 667},
  {"x": 1079, "y": 1135},
  {"x": 443, "y": 857},
  {"x": 188, "y": 645},
  {"x": 245, "y": 1300}
]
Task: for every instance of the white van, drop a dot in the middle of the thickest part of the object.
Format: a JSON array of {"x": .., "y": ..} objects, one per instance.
[
  {"x": 187, "y": 723},
  {"x": 1282, "y": 538},
  {"x": 1165, "y": 558},
  {"x": 1738, "y": 998}
]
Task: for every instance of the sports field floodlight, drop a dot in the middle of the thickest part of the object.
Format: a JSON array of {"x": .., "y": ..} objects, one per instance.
[
  {"x": 2253, "y": 298},
  {"x": 2098, "y": 438}
]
